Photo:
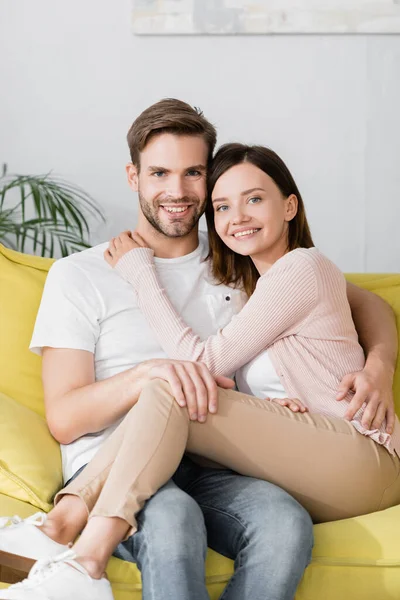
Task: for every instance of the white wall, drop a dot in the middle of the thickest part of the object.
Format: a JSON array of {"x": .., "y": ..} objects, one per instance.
[{"x": 73, "y": 77}]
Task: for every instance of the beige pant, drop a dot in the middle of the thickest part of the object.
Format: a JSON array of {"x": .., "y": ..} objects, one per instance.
[{"x": 332, "y": 470}]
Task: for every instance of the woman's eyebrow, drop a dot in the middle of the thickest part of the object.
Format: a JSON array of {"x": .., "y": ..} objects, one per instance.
[
  {"x": 256, "y": 189},
  {"x": 244, "y": 193}
]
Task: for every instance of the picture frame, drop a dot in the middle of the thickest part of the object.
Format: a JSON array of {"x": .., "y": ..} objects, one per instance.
[{"x": 257, "y": 17}]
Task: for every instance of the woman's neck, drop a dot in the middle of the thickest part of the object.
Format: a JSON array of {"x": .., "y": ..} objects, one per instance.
[{"x": 263, "y": 261}]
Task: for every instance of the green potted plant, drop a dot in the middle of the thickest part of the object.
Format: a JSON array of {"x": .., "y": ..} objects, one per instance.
[{"x": 46, "y": 212}]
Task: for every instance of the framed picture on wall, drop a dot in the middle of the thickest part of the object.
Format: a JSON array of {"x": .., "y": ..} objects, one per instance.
[{"x": 241, "y": 17}]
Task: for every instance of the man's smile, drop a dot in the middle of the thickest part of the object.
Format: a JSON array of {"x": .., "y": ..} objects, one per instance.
[{"x": 176, "y": 210}]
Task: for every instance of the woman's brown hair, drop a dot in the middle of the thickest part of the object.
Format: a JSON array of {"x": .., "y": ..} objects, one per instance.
[{"x": 227, "y": 266}]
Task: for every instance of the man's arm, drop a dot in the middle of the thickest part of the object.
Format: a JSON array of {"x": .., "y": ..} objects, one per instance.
[
  {"x": 376, "y": 327},
  {"x": 76, "y": 404}
]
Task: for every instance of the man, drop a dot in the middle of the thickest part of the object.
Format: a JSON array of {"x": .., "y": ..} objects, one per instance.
[{"x": 98, "y": 353}]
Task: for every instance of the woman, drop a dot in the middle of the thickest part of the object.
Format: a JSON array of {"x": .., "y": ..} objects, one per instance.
[
  {"x": 296, "y": 330},
  {"x": 299, "y": 319}
]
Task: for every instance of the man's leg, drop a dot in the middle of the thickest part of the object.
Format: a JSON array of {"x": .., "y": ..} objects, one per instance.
[
  {"x": 258, "y": 525},
  {"x": 169, "y": 547}
]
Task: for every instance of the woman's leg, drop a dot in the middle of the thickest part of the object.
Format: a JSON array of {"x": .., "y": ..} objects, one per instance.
[
  {"x": 147, "y": 429},
  {"x": 334, "y": 471},
  {"x": 330, "y": 468},
  {"x": 114, "y": 466},
  {"x": 323, "y": 462},
  {"x": 66, "y": 520},
  {"x": 70, "y": 514}
]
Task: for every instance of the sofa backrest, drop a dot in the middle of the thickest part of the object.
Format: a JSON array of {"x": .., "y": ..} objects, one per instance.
[{"x": 22, "y": 279}]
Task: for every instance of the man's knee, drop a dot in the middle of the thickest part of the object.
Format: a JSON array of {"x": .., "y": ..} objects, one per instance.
[
  {"x": 171, "y": 525},
  {"x": 291, "y": 535},
  {"x": 296, "y": 530},
  {"x": 278, "y": 521}
]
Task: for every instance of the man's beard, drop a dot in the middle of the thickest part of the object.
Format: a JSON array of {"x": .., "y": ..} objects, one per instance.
[{"x": 178, "y": 228}]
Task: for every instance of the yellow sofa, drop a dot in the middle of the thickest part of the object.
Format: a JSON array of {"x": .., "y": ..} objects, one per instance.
[{"x": 354, "y": 559}]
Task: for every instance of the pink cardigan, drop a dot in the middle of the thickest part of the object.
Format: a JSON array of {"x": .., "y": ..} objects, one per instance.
[{"x": 299, "y": 311}]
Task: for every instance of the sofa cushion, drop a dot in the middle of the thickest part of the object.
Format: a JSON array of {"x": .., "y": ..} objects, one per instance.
[
  {"x": 22, "y": 279},
  {"x": 30, "y": 459}
]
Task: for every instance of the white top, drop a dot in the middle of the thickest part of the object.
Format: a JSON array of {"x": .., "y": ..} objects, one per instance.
[
  {"x": 86, "y": 305},
  {"x": 259, "y": 378}
]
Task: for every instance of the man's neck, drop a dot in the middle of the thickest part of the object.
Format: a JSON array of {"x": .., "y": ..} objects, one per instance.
[{"x": 168, "y": 247}]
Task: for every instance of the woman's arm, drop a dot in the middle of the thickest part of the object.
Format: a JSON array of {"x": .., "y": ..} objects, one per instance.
[{"x": 283, "y": 298}]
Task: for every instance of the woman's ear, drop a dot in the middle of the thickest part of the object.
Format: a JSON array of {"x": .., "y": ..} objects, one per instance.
[
  {"x": 291, "y": 207},
  {"x": 133, "y": 175}
]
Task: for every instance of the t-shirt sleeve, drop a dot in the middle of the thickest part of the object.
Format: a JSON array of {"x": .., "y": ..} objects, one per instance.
[{"x": 69, "y": 311}]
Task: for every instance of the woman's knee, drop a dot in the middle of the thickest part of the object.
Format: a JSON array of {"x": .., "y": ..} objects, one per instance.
[
  {"x": 155, "y": 392},
  {"x": 157, "y": 395},
  {"x": 157, "y": 387}
]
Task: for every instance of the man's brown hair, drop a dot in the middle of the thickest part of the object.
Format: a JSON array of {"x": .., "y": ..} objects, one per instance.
[{"x": 169, "y": 116}]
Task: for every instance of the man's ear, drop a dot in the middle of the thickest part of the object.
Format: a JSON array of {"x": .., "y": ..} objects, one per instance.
[
  {"x": 133, "y": 176},
  {"x": 291, "y": 207}
]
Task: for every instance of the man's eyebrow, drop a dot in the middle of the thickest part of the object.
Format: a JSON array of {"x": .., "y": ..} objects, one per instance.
[
  {"x": 197, "y": 168},
  {"x": 157, "y": 169},
  {"x": 191, "y": 168},
  {"x": 244, "y": 193}
]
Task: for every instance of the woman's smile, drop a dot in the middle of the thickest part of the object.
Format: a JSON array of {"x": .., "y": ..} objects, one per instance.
[{"x": 243, "y": 234}]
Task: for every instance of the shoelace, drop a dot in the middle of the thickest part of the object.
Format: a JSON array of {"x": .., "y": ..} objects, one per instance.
[
  {"x": 6, "y": 521},
  {"x": 37, "y": 519},
  {"x": 47, "y": 566}
]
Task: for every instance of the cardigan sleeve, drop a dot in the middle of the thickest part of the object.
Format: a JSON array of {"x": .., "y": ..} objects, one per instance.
[{"x": 283, "y": 298}]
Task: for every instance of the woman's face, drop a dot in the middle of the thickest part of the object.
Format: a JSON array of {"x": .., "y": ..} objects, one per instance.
[{"x": 251, "y": 214}]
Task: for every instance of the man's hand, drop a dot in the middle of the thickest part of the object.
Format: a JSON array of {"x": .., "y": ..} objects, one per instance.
[
  {"x": 191, "y": 382},
  {"x": 374, "y": 388}
]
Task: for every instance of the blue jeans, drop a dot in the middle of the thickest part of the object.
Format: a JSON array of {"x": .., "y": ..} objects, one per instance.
[{"x": 258, "y": 525}]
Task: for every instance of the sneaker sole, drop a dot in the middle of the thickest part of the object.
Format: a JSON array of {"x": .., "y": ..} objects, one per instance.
[{"x": 22, "y": 564}]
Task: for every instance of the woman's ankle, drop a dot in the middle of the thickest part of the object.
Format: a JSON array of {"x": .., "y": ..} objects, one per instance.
[
  {"x": 57, "y": 531},
  {"x": 66, "y": 520},
  {"x": 98, "y": 541},
  {"x": 96, "y": 569}
]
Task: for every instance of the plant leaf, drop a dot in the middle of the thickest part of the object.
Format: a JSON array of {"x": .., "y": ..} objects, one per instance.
[{"x": 59, "y": 211}]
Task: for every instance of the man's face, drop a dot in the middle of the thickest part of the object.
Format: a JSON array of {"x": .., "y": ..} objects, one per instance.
[{"x": 172, "y": 182}]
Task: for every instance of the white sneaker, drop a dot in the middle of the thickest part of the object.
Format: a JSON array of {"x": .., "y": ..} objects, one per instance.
[
  {"x": 22, "y": 543},
  {"x": 59, "y": 578}
]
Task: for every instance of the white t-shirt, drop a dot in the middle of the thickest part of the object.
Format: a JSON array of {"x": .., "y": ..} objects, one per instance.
[{"x": 86, "y": 305}]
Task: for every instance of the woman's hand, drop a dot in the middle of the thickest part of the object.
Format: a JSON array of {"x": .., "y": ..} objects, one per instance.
[
  {"x": 293, "y": 404},
  {"x": 123, "y": 243}
]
